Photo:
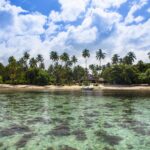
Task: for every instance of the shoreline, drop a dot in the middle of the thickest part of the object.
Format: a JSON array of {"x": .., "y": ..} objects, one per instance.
[{"x": 101, "y": 87}]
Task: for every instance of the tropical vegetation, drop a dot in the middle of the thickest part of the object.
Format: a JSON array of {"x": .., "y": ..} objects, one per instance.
[{"x": 63, "y": 69}]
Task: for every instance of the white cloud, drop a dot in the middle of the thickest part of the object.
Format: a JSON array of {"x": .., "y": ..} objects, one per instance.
[
  {"x": 135, "y": 6},
  {"x": 22, "y": 31},
  {"x": 103, "y": 4},
  {"x": 30, "y": 24},
  {"x": 70, "y": 10}
]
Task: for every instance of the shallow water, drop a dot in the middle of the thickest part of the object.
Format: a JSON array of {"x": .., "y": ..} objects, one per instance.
[{"x": 74, "y": 121}]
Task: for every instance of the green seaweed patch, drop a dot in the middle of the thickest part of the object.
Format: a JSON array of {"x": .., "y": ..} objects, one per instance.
[
  {"x": 141, "y": 131},
  {"x": 110, "y": 139},
  {"x": 129, "y": 123},
  {"x": 92, "y": 114},
  {"x": 57, "y": 120},
  {"x": 80, "y": 135},
  {"x": 66, "y": 103},
  {"x": 70, "y": 118},
  {"x": 107, "y": 125},
  {"x": 88, "y": 123},
  {"x": 1, "y": 144},
  {"x": 63, "y": 112},
  {"x": 14, "y": 129},
  {"x": 39, "y": 120},
  {"x": 59, "y": 106},
  {"x": 50, "y": 148},
  {"x": 23, "y": 141},
  {"x": 66, "y": 147},
  {"x": 108, "y": 148},
  {"x": 88, "y": 108},
  {"x": 61, "y": 130},
  {"x": 108, "y": 105},
  {"x": 129, "y": 146}
]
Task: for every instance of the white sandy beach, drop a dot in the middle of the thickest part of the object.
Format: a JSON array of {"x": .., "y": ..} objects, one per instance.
[{"x": 4, "y": 87}]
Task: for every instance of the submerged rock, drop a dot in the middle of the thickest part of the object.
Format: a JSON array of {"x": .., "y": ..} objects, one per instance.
[
  {"x": 39, "y": 120},
  {"x": 88, "y": 123},
  {"x": 50, "y": 148},
  {"x": 23, "y": 141},
  {"x": 14, "y": 129},
  {"x": 66, "y": 147},
  {"x": 61, "y": 130},
  {"x": 108, "y": 148},
  {"x": 139, "y": 130},
  {"x": 58, "y": 120},
  {"x": 108, "y": 105},
  {"x": 92, "y": 114},
  {"x": 107, "y": 125},
  {"x": 70, "y": 118},
  {"x": 59, "y": 106},
  {"x": 63, "y": 112},
  {"x": 80, "y": 135},
  {"x": 1, "y": 144},
  {"x": 110, "y": 139}
]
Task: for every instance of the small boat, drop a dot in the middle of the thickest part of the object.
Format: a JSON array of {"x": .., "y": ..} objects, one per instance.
[{"x": 88, "y": 88}]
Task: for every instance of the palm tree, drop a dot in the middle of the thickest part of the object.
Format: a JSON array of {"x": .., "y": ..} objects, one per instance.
[
  {"x": 40, "y": 60},
  {"x": 12, "y": 67},
  {"x": 86, "y": 54},
  {"x": 120, "y": 60},
  {"x": 33, "y": 62},
  {"x": 24, "y": 60},
  {"x": 54, "y": 56},
  {"x": 92, "y": 67},
  {"x": 148, "y": 55},
  {"x": 64, "y": 58},
  {"x": 26, "y": 56},
  {"x": 74, "y": 60},
  {"x": 100, "y": 55},
  {"x": 129, "y": 59},
  {"x": 42, "y": 66},
  {"x": 115, "y": 59}
]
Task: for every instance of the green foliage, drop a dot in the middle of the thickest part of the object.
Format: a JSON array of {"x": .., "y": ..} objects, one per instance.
[
  {"x": 1, "y": 79},
  {"x": 28, "y": 70},
  {"x": 121, "y": 74},
  {"x": 42, "y": 78},
  {"x": 147, "y": 74},
  {"x": 37, "y": 76}
]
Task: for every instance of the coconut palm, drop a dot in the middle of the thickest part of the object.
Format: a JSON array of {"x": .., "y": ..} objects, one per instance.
[
  {"x": 54, "y": 56},
  {"x": 24, "y": 60},
  {"x": 40, "y": 61},
  {"x": 149, "y": 55},
  {"x": 26, "y": 56},
  {"x": 129, "y": 59},
  {"x": 33, "y": 62},
  {"x": 42, "y": 65},
  {"x": 74, "y": 60},
  {"x": 115, "y": 59},
  {"x": 100, "y": 55},
  {"x": 64, "y": 57},
  {"x": 40, "y": 58},
  {"x": 86, "y": 54}
]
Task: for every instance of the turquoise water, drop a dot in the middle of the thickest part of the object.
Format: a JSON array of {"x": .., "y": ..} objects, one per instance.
[{"x": 74, "y": 121}]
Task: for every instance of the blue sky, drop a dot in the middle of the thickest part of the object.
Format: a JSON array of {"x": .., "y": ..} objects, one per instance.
[
  {"x": 39, "y": 26},
  {"x": 42, "y": 6}
]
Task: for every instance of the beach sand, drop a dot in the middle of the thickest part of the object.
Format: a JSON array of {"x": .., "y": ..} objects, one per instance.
[{"x": 6, "y": 87}]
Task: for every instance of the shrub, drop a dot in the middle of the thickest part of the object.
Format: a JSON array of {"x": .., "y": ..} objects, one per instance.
[{"x": 1, "y": 79}]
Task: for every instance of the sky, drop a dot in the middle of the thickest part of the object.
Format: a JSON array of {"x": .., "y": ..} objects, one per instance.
[{"x": 41, "y": 26}]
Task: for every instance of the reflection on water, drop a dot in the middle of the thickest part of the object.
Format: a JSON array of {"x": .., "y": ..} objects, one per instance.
[{"x": 74, "y": 121}]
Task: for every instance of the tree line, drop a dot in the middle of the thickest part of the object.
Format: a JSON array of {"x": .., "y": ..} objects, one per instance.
[{"x": 63, "y": 69}]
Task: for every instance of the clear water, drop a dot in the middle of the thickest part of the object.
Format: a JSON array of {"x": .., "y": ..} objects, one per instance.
[{"x": 74, "y": 121}]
